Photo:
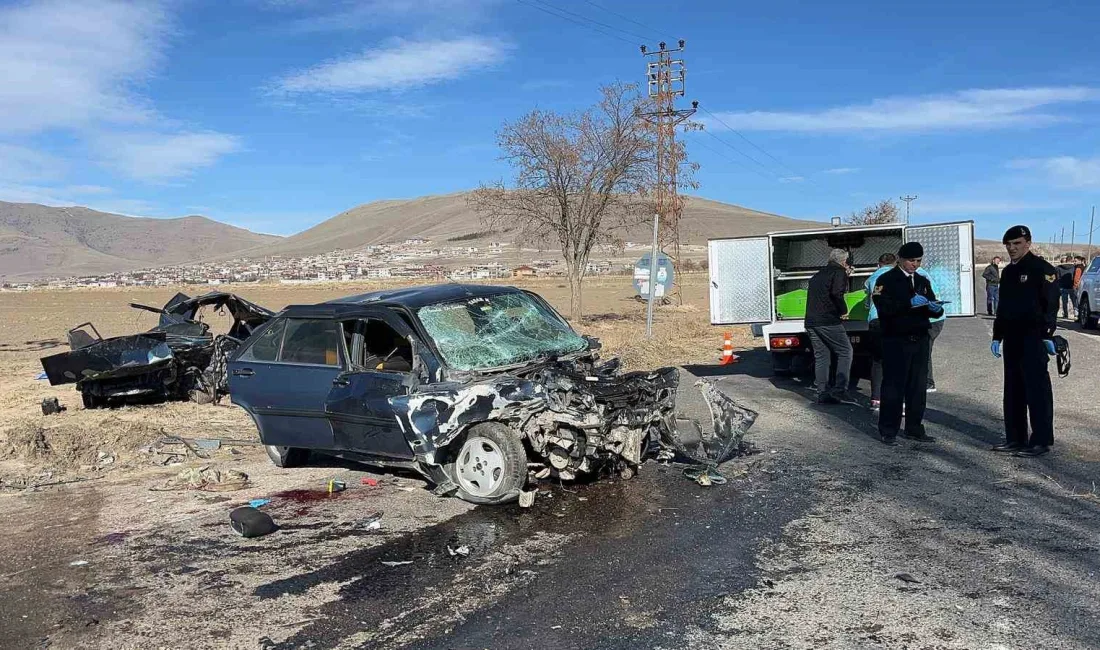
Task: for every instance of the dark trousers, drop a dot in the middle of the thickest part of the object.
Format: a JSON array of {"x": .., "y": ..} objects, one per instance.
[
  {"x": 874, "y": 334},
  {"x": 992, "y": 298},
  {"x": 828, "y": 341},
  {"x": 1028, "y": 395},
  {"x": 1069, "y": 296},
  {"x": 933, "y": 332},
  {"x": 904, "y": 381}
]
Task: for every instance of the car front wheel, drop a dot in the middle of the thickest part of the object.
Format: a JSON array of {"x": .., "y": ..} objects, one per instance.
[
  {"x": 1084, "y": 314},
  {"x": 490, "y": 465},
  {"x": 286, "y": 456}
]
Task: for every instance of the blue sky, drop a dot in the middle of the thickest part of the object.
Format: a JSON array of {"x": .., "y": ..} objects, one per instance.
[{"x": 276, "y": 114}]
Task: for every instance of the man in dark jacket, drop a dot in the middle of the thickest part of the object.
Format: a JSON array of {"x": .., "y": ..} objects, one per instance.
[
  {"x": 992, "y": 277},
  {"x": 825, "y": 309},
  {"x": 905, "y": 302},
  {"x": 1024, "y": 331},
  {"x": 1066, "y": 272}
]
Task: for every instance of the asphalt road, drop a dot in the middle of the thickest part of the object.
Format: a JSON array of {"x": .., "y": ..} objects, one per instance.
[{"x": 802, "y": 549}]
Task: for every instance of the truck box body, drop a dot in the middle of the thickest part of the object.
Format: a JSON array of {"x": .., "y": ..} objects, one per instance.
[{"x": 753, "y": 280}]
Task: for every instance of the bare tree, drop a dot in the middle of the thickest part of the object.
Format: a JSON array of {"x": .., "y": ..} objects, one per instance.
[
  {"x": 578, "y": 178},
  {"x": 881, "y": 212}
]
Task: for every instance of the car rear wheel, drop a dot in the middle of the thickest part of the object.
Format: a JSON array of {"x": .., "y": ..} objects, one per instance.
[
  {"x": 286, "y": 456},
  {"x": 1084, "y": 314},
  {"x": 490, "y": 465}
]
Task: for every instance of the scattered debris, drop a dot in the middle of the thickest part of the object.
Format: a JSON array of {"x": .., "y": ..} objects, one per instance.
[
  {"x": 462, "y": 551},
  {"x": 41, "y": 376},
  {"x": 371, "y": 482},
  {"x": 207, "y": 479},
  {"x": 905, "y": 577},
  {"x": 336, "y": 485},
  {"x": 247, "y": 521},
  {"x": 50, "y": 406},
  {"x": 258, "y": 503},
  {"x": 527, "y": 499},
  {"x": 78, "y": 563},
  {"x": 705, "y": 476},
  {"x": 396, "y": 563}
]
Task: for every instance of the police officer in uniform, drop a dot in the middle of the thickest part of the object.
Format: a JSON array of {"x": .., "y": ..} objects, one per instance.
[
  {"x": 1026, "y": 319},
  {"x": 905, "y": 302}
]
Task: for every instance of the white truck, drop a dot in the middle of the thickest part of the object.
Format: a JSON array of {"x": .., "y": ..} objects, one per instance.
[{"x": 747, "y": 274}]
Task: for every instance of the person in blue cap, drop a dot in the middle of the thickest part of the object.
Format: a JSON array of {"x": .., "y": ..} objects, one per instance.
[
  {"x": 1023, "y": 333},
  {"x": 905, "y": 302}
]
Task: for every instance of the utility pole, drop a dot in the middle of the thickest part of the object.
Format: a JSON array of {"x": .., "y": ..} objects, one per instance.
[
  {"x": 1072, "y": 233},
  {"x": 1062, "y": 241},
  {"x": 1088, "y": 256},
  {"x": 908, "y": 199},
  {"x": 665, "y": 77}
]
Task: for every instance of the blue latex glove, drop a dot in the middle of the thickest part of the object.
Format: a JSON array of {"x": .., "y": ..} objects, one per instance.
[
  {"x": 935, "y": 309},
  {"x": 918, "y": 301},
  {"x": 995, "y": 348},
  {"x": 1050, "y": 346}
]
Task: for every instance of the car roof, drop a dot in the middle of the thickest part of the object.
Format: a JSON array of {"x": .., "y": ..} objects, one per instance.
[{"x": 408, "y": 297}]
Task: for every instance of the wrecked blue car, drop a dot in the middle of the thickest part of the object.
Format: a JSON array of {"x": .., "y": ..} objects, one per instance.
[{"x": 469, "y": 385}]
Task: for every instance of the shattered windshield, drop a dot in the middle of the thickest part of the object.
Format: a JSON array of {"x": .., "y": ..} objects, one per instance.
[{"x": 493, "y": 331}]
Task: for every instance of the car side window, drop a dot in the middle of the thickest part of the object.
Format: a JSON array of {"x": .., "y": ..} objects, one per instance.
[
  {"x": 1095, "y": 266},
  {"x": 266, "y": 346},
  {"x": 315, "y": 342}
]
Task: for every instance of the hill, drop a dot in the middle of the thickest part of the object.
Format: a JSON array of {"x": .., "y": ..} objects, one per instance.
[
  {"x": 447, "y": 218},
  {"x": 40, "y": 241}
]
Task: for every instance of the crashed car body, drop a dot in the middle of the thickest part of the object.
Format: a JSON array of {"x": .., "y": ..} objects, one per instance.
[
  {"x": 465, "y": 384},
  {"x": 179, "y": 358}
]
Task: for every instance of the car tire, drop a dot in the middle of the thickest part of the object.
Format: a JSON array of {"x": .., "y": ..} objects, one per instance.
[
  {"x": 489, "y": 464},
  {"x": 286, "y": 456},
  {"x": 1084, "y": 314}
]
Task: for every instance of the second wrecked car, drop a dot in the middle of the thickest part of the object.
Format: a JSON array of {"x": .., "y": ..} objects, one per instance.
[{"x": 466, "y": 384}]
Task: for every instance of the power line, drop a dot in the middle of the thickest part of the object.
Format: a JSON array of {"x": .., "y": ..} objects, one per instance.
[
  {"x": 626, "y": 18},
  {"x": 576, "y": 22},
  {"x": 586, "y": 18},
  {"x": 731, "y": 146},
  {"x": 742, "y": 136},
  {"x": 736, "y": 163}
]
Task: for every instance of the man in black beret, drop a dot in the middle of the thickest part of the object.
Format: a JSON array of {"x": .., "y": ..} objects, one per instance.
[
  {"x": 905, "y": 301},
  {"x": 1023, "y": 332}
]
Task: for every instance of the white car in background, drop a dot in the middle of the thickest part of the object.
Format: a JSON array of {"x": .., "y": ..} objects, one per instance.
[{"x": 1088, "y": 311}]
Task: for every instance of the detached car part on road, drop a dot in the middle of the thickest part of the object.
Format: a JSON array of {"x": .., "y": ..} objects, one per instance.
[
  {"x": 177, "y": 359},
  {"x": 465, "y": 384}
]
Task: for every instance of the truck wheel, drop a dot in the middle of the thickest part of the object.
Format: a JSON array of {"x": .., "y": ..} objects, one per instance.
[
  {"x": 1085, "y": 316},
  {"x": 286, "y": 456},
  {"x": 490, "y": 465}
]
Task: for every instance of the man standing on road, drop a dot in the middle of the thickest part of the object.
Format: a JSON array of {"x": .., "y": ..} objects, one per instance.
[
  {"x": 1066, "y": 270},
  {"x": 905, "y": 303},
  {"x": 992, "y": 277},
  {"x": 825, "y": 308},
  {"x": 886, "y": 262},
  {"x": 935, "y": 328},
  {"x": 1023, "y": 332}
]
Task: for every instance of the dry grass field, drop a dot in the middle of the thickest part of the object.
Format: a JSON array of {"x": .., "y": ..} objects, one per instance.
[{"x": 78, "y": 443}]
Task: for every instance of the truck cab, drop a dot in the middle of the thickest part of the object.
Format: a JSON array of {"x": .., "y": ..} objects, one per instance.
[{"x": 762, "y": 281}]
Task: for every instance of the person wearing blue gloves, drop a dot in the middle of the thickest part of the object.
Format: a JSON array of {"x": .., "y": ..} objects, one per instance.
[
  {"x": 1023, "y": 333},
  {"x": 934, "y": 331},
  {"x": 905, "y": 302}
]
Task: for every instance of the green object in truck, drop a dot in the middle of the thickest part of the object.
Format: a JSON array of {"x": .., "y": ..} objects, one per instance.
[{"x": 792, "y": 304}]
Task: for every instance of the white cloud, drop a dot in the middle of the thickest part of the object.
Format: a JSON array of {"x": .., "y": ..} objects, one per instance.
[
  {"x": 349, "y": 15},
  {"x": 791, "y": 179},
  {"x": 973, "y": 109},
  {"x": 21, "y": 164},
  {"x": 406, "y": 65},
  {"x": 159, "y": 157},
  {"x": 69, "y": 63},
  {"x": 969, "y": 206},
  {"x": 1065, "y": 171},
  {"x": 842, "y": 170}
]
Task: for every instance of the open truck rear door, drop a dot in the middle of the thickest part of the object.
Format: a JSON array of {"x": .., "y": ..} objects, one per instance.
[
  {"x": 949, "y": 260},
  {"x": 740, "y": 281}
]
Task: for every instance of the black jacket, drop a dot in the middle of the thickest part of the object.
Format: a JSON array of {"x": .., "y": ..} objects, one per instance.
[
  {"x": 992, "y": 275},
  {"x": 825, "y": 296},
  {"x": 892, "y": 295},
  {"x": 1029, "y": 300},
  {"x": 1065, "y": 275}
]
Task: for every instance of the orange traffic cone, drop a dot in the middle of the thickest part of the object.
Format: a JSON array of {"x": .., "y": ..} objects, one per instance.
[{"x": 728, "y": 356}]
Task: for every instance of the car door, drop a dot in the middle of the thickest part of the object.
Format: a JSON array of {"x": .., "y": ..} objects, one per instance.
[
  {"x": 358, "y": 405},
  {"x": 284, "y": 377}
]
